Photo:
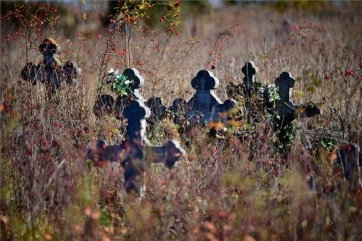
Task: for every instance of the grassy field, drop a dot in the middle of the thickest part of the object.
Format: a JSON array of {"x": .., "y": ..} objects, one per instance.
[{"x": 236, "y": 188}]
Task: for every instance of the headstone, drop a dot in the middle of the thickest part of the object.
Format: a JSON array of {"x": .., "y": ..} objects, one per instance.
[
  {"x": 136, "y": 114},
  {"x": 51, "y": 64},
  {"x": 284, "y": 107},
  {"x": 70, "y": 72},
  {"x": 136, "y": 79},
  {"x": 179, "y": 107},
  {"x": 204, "y": 106},
  {"x": 158, "y": 110},
  {"x": 30, "y": 73},
  {"x": 178, "y": 111},
  {"x": 249, "y": 70},
  {"x": 50, "y": 70}
]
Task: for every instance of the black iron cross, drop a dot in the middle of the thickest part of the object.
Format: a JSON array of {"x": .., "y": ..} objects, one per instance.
[
  {"x": 137, "y": 148},
  {"x": 205, "y": 106},
  {"x": 284, "y": 107},
  {"x": 249, "y": 70}
]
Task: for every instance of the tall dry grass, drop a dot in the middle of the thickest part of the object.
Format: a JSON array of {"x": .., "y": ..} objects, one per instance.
[{"x": 236, "y": 188}]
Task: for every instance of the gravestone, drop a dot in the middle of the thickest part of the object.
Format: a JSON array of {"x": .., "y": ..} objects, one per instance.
[
  {"x": 158, "y": 109},
  {"x": 136, "y": 82},
  {"x": 105, "y": 104},
  {"x": 250, "y": 83},
  {"x": 133, "y": 152},
  {"x": 51, "y": 64},
  {"x": 178, "y": 111},
  {"x": 179, "y": 107},
  {"x": 249, "y": 70},
  {"x": 205, "y": 106},
  {"x": 50, "y": 71},
  {"x": 284, "y": 107},
  {"x": 31, "y": 73},
  {"x": 286, "y": 112},
  {"x": 70, "y": 72}
]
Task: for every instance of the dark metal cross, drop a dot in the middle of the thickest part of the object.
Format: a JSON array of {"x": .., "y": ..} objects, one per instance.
[
  {"x": 249, "y": 70},
  {"x": 284, "y": 107},
  {"x": 205, "y": 106},
  {"x": 137, "y": 151}
]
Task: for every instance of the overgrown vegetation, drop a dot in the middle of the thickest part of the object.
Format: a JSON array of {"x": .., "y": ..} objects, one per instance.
[{"x": 235, "y": 187}]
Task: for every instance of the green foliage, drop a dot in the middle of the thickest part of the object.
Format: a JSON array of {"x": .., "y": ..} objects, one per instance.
[
  {"x": 273, "y": 94},
  {"x": 121, "y": 85},
  {"x": 165, "y": 14},
  {"x": 328, "y": 144}
]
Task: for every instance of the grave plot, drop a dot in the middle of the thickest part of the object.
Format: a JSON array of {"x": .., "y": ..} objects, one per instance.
[
  {"x": 50, "y": 71},
  {"x": 273, "y": 99},
  {"x": 203, "y": 107},
  {"x": 136, "y": 152}
]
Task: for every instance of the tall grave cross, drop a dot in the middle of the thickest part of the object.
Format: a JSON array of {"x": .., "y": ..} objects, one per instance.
[
  {"x": 284, "y": 107},
  {"x": 286, "y": 111},
  {"x": 133, "y": 152}
]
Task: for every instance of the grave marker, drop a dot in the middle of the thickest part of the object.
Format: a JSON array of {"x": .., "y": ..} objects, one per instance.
[
  {"x": 205, "y": 106},
  {"x": 50, "y": 71},
  {"x": 249, "y": 70},
  {"x": 51, "y": 64},
  {"x": 137, "y": 148},
  {"x": 70, "y": 72},
  {"x": 284, "y": 107},
  {"x": 158, "y": 109}
]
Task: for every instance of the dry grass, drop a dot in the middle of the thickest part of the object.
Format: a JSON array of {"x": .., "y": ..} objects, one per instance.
[{"x": 236, "y": 188}]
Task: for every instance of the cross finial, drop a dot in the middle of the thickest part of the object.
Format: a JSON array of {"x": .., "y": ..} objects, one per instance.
[
  {"x": 134, "y": 75},
  {"x": 205, "y": 80}
]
